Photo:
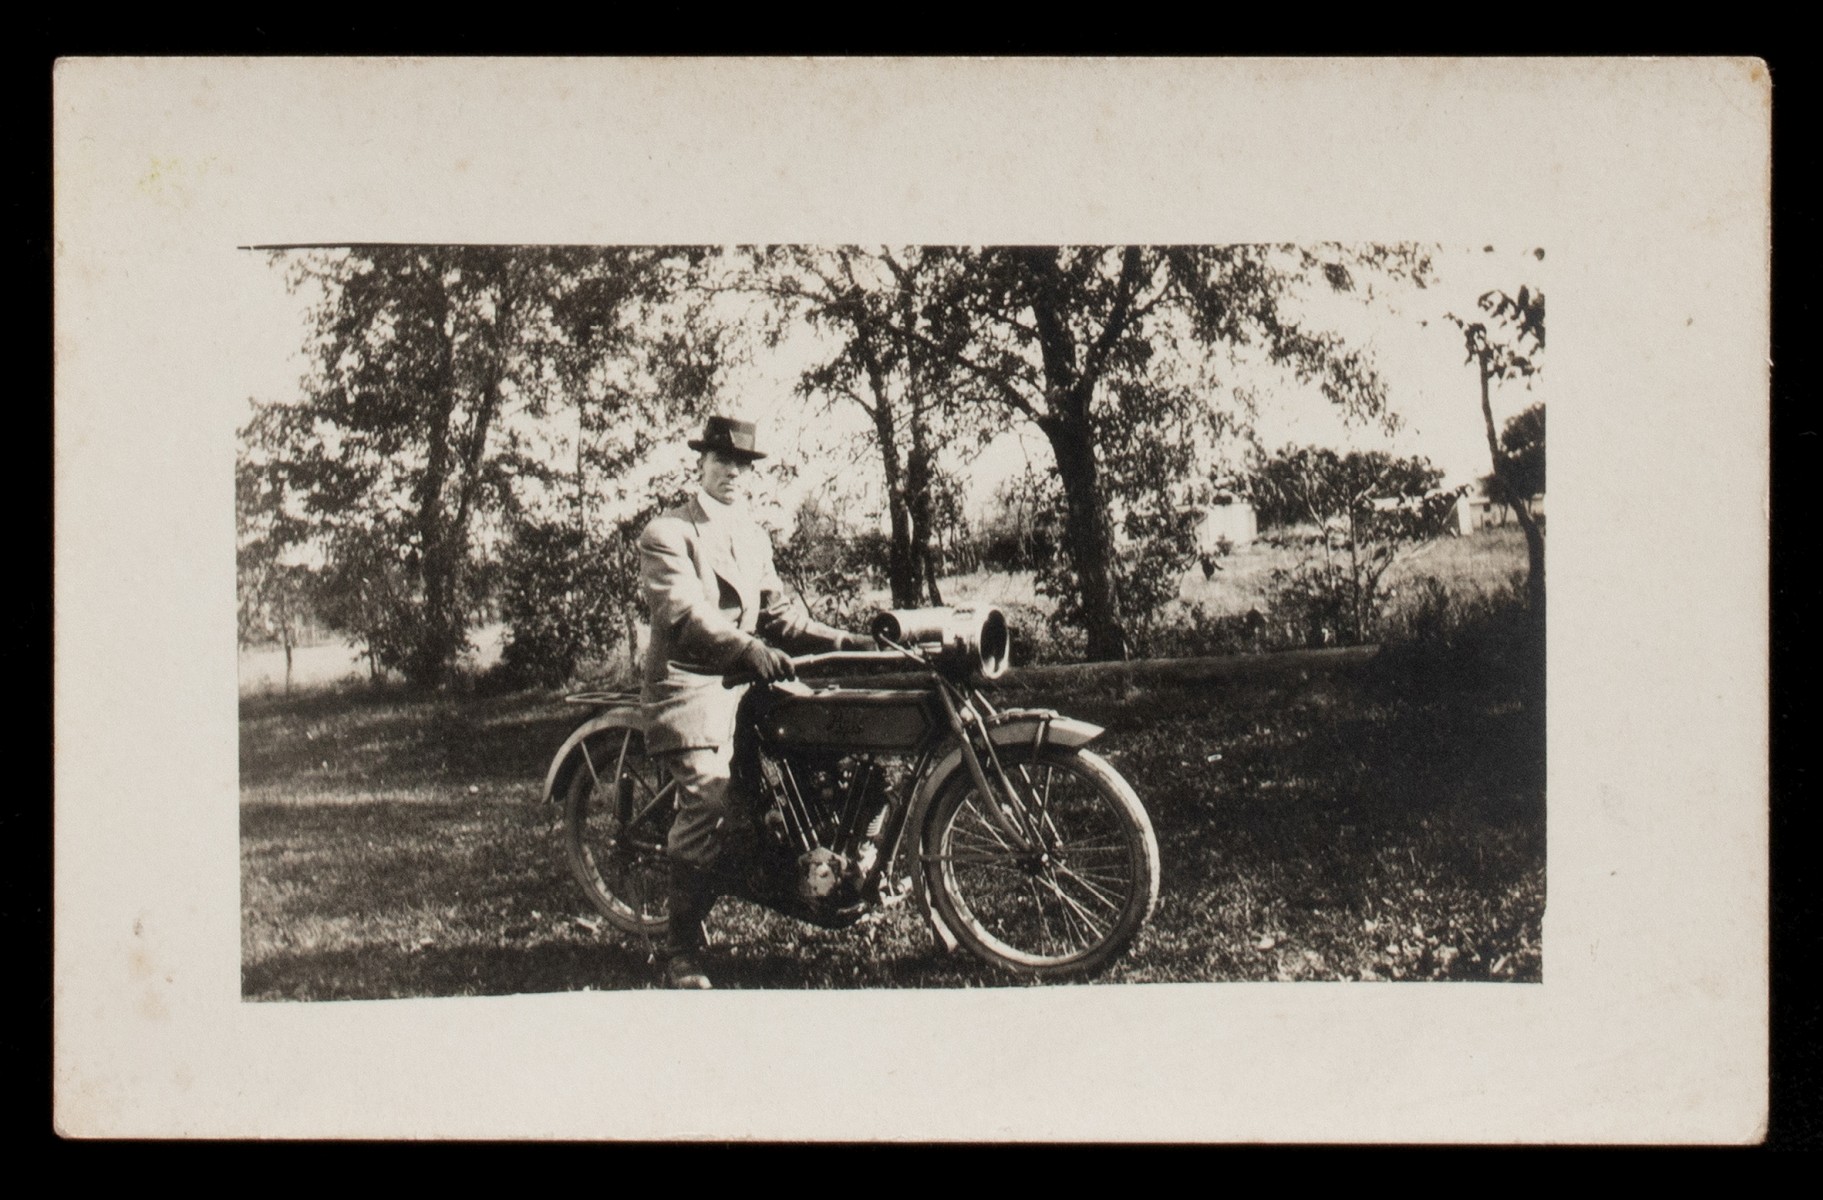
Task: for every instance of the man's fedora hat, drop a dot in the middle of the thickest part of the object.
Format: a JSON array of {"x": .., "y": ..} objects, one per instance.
[{"x": 729, "y": 436}]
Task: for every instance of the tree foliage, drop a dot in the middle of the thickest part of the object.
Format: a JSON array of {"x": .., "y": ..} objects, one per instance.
[
  {"x": 1356, "y": 515},
  {"x": 1114, "y": 354},
  {"x": 435, "y": 368},
  {"x": 1522, "y": 457},
  {"x": 563, "y": 596},
  {"x": 879, "y": 305},
  {"x": 1507, "y": 343}
]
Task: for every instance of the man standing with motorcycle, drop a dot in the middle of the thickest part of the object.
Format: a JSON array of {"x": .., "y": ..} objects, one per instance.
[{"x": 716, "y": 603}]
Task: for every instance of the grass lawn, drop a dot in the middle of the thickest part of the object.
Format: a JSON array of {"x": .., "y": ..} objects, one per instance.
[{"x": 1384, "y": 824}]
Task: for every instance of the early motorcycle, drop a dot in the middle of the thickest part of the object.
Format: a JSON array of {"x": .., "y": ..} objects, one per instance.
[{"x": 1020, "y": 843}]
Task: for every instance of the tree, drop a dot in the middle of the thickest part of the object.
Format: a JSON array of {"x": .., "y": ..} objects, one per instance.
[
  {"x": 1506, "y": 344},
  {"x": 438, "y": 371},
  {"x": 1369, "y": 511},
  {"x": 1108, "y": 352},
  {"x": 563, "y": 595},
  {"x": 628, "y": 347},
  {"x": 1522, "y": 448},
  {"x": 877, "y": 302},
  {"x": 412, "y": 346},
  {"x": 274, "y": 594}
]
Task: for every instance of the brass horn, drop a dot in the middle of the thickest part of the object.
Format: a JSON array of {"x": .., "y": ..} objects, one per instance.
[{"x": 967, "y": 642}]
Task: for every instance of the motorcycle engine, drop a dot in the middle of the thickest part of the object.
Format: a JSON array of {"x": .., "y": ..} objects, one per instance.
[
  {"x": 822, "y": 871},
  {"x": 826, "y": 812}
]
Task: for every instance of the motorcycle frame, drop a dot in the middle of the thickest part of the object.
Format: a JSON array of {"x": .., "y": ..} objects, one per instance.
[{"x": 937, "y": 760}]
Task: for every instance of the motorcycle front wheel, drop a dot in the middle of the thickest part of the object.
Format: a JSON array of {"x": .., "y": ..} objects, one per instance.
[
  {"x": 1058, "y": 883},
  {"x": 617, "y": 812}
]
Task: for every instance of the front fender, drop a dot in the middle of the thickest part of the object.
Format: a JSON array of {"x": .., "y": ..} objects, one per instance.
[
  {"x": 1012, "y": 728},
  {"x": 570, "y": 755}
]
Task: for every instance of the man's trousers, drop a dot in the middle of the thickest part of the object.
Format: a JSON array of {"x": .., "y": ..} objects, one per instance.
[{"x": 698, "y": 833}]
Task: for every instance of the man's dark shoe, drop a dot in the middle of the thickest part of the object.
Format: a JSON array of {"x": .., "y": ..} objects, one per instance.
[
  {"x": 692, "y": 895},
  {"x": 684, "y": 971}
]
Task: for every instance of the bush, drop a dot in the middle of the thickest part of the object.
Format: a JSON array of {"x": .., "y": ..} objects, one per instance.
[
  {"x": 1471, "y": 643},
  {"x": 1325, "y": 601},
  {"x": 1036, "y": 640},
  {"x": 564, "y": 595},
  {"x": 1365, "y": 512},
  {"x": 1195, "y": 632},
  {"x": 830, "y": 575}
]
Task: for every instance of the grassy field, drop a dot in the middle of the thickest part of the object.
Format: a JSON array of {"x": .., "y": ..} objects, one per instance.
[
  {"x": 1469, "y": 568},
  {"x": 1480, "y": 565},
  {"x": 1383, "y": 824}
]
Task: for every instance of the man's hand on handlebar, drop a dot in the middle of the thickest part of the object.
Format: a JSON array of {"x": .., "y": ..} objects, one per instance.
[{"x": 767, "y": 664}]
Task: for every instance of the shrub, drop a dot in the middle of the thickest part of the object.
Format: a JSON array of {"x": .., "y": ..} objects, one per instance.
[
  {"x": 1036, "y": 639},
  {"x": 1469, "y": 642},
  {"x": 1365, "y": 512},
  {"x": 564, "y": 595},
  {"x": 830, "y": 575},
  {"x": 1195, "y": 632}
]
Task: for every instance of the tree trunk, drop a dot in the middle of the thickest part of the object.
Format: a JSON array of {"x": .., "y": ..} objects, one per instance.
[
  {"x": 454, "y": 463},
  {"x": 920, "y": 479},
  {"x": 1534, "y": 546},
  {"x": 901, "y": 566},
  {"x": 582, "y": 495},
  {"x": 427, "y": 664},
  {"x": 930, "y": 579},
  {"x": 1070, "y": 390},
  {"x": 1357, "y": 592},
  {"x": 1534, "y": 534},
  {"x": 1090, "y": 538}
]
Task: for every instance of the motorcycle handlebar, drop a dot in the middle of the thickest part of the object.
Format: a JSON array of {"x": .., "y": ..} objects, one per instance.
[{"x": 798, "y": 663}]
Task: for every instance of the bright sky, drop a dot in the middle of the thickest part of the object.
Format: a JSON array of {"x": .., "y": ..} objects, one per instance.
[{"x": 1419, "y": 353}]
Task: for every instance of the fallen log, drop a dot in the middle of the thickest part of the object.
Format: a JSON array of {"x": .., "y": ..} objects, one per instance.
[{"x": 1136, "y": 673}]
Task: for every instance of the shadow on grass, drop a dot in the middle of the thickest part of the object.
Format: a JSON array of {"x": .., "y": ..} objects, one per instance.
[
  {"x": 611, "y": 963},
  {"x": 474, "y": 862},
  {"x": 364, "y": 974},
  {"x": 404, "y": 741}
]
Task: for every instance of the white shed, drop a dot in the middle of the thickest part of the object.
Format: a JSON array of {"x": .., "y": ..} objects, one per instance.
[
  {"x": 1233, "y": 520},
  {"x": 1474, "y": 512}
]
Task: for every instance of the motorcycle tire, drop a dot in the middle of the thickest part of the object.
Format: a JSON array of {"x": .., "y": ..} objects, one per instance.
[
  {"x": 1069, "y": 906},
  {"x": 616, "y": 815}
]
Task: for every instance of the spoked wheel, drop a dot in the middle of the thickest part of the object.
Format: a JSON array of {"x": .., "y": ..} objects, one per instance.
[
  {"x": 617, "y": 812},
  {"x": 1058, "y": 884}
]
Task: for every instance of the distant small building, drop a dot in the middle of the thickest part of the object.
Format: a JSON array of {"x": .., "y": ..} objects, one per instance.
[
  {"x": 1476, "y": 511},
  {"x": 1228, "y": 518}
]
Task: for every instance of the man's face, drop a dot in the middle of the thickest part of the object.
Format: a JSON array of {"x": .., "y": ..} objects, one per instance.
[{"x": 721, "y": 474}]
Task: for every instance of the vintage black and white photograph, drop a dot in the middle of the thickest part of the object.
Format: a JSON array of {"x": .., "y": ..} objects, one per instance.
[
  {"x": 921, "y": 616},
  {"x": 911, "y": 600}
]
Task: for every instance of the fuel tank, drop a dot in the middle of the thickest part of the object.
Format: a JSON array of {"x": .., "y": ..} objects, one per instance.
[{"x": 850, "y": 720}]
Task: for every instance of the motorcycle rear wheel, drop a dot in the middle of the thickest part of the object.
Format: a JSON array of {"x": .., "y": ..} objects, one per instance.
[
  {"x": 617, "y": 812},
  {"x": 1065, "y": 902}
]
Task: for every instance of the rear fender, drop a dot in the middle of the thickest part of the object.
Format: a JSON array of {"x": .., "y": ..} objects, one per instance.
[
  {"x": 572, "y": 756},
  {"x": 1012, "y": 729}
]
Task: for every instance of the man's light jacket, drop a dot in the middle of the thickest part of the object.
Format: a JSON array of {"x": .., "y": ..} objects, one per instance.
[{"x": 711, "y": 589}]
